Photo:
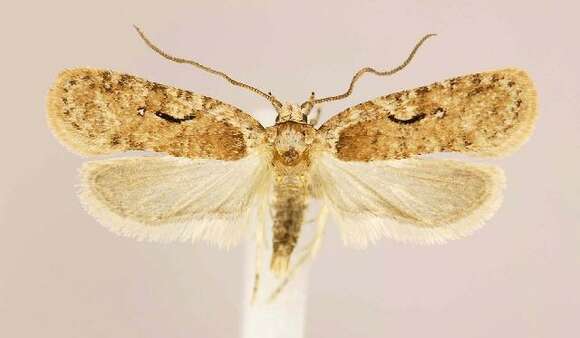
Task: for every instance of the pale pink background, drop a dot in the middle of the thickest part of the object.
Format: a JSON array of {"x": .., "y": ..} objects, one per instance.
[{"x": 62, "y": 275}]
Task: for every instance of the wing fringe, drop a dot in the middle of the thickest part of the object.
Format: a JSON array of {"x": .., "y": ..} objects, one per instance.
[
  {"x": 207, "y": 220},
  {"x": 377, "y": 226},
  {"x": 526, "y": 125}
]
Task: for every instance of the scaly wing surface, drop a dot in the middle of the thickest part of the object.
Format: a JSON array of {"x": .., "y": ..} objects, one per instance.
[
  {"x": 485, "y": 114},
  {"x": 175, "y": 199},
  {"x": 97, "y": 112},
  {"x": 368, "y": 171},
  {"x": 420, "y": 201}
]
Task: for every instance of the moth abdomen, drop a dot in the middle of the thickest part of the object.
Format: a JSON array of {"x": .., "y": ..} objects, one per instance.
[{"x": 289, "y": 206}]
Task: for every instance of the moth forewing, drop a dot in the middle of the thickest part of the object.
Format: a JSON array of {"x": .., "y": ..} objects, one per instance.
[
  {"x": 485, "y": 114},
  {"x": 97, "y": 112}
]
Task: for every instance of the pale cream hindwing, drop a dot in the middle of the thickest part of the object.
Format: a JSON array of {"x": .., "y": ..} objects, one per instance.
[
  {"x": 413, "y": 200},
  {"x": 175, "y": 199}
]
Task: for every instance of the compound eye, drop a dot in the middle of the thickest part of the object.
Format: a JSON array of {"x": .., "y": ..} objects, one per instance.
[
  {"x": 277, "y": 118},
  {"x": 304, "y": 118}
]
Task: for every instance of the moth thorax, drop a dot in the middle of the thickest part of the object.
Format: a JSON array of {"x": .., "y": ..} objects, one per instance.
[
  {"x": 292, "y": 142},
  {"x": 291, "y": 113}
]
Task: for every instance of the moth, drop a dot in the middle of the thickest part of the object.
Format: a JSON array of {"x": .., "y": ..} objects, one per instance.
[{"x": 218, "y": 169}]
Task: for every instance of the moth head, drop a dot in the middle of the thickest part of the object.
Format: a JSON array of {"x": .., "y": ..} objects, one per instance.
[{"x": 291, "y": 113}]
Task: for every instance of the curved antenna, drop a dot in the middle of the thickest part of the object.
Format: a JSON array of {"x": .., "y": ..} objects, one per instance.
[
  {"x": 364, "y": 70},
  {"x": 268, "y": 96}
]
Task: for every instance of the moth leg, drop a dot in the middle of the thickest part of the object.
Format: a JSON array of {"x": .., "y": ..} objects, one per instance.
[
  {"x": 309, "y": 253},
  {"x": 314, "y": 121},
  {"x": 260, "y": 247}
]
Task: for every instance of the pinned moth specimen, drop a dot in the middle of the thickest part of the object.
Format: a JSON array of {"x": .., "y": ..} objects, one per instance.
[{"x": 221, "y": 169}]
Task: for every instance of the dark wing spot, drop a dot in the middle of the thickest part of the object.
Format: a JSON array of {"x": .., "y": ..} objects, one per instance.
[
  {"x": 422, "y": 90},
  {"x": 453, "y": 82},
  {"x": 173, "y": 119},
  {"x": 412, "y": 120},
  {"x": 115, "y": 140},
  {"x": 439, "y": 112},
  {"x": 106, "y": 76}
]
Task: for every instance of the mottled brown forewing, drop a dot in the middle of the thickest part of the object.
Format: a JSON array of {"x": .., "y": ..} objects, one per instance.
[
  {"x": 485, "y": 114},
  {"x": 101, "y": 112}
]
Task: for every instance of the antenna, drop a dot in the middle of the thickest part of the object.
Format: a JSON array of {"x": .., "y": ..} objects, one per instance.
[
  {"x": 158, "y": 50},
  {"x": 364, "y": 70}
]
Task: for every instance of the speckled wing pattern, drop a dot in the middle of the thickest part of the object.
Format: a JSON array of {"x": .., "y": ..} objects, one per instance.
[
  {"x": 102, "y": 112},
  {"x": 206, "y": 190},
  {"x": 483, "y": 114},
  {"x": 376, "y": 184}
]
